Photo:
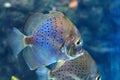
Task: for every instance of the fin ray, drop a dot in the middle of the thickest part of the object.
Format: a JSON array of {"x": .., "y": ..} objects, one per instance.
[{"x": 16, "y": 41}]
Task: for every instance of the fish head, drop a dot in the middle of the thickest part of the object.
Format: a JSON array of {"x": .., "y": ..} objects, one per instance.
[{"x": 73, "y": 46}]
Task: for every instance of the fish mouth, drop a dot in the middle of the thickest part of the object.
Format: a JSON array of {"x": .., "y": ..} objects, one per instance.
[
  {"x": 74, "y": 53},
  {"x": 78, "y": 54}
]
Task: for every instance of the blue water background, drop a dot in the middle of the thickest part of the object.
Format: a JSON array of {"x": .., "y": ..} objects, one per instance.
[{"x": 97, "y": 20}]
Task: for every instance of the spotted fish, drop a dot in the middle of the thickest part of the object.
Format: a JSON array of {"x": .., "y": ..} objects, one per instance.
[
  {"x": 47, "y": 38},
  {"x": 80, "y": 68}
]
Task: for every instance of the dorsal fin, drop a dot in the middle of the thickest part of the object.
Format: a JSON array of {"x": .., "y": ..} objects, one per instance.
[{"x": 34, "y": 21}]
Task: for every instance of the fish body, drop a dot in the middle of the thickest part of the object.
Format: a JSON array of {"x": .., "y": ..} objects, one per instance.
[
  {"x": 47, "y": 39},
  {"x": 80, "y": 68}
]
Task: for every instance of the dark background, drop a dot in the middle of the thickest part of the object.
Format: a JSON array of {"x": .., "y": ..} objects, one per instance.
[{"x": 97, "y": 20}]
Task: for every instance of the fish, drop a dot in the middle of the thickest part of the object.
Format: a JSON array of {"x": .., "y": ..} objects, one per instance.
[
  {"x": 46, "y": 38},
  {"x": 80, "y": 68}
]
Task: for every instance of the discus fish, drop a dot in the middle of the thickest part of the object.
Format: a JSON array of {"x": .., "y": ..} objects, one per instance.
[
  {"x": 47, "y": 39},
  {"x": 80, "y": 68}
]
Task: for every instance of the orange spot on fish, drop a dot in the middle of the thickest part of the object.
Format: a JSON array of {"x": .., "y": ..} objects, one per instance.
[
  {"x": 73, "y": 4},
  {"x": 29, "y": 40}
]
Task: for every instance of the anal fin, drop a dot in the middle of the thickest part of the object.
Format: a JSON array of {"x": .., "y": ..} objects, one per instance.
[{"x": 30, "y": 58}]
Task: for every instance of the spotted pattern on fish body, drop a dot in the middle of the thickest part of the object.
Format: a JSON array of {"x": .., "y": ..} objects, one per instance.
[
  {"x": 51, "y": 29},
  {"x": 80, "y": 68},
  {"x": 50, "y": 33},
  {"x": 48, "y": 39}
]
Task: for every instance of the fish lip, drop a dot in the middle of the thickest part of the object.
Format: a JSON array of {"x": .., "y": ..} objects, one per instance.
[{"x": 78, "y": 54}]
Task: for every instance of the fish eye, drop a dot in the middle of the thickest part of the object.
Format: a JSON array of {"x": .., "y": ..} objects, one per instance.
[
  {"x": 78, "y": 42},
  {"x": 98, "y": 78}
]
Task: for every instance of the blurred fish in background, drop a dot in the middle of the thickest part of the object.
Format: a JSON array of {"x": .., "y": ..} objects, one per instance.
[
  {"x": 80, "y": 68},
  {"x": 97, "y": 21}
]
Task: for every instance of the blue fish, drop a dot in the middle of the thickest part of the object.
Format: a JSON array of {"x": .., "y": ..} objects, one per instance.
[{"x": 49, "y": 38}]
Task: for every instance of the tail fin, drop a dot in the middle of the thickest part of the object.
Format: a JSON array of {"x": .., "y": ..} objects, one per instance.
[{"x": 16, "y": 41}]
